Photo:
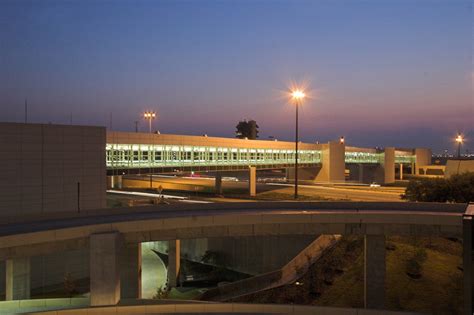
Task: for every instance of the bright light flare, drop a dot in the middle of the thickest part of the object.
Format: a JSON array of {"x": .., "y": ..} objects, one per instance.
[
  {"x": 149, "y": 115},
  {"x": 459, "y": 138},
  {"x": 298, "y": 95}
]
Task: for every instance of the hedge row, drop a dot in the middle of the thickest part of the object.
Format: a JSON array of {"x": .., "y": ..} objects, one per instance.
[{"x": 458, "y": 188}]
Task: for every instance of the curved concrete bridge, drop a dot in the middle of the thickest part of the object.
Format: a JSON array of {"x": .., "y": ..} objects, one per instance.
[{"x": 114, "y": 235}]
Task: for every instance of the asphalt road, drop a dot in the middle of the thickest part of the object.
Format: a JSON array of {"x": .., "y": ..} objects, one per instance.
[
  {"x": 253, "y": 208},
  {"x": 342, "y": 192}
]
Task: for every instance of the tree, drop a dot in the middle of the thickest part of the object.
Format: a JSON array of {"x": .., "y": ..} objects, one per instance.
[{"x": 247, "y": 129}]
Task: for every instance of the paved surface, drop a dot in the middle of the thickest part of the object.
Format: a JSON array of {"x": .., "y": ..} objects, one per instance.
[
  {"x": 154, "y": 272},
  {"x": 342, "y": 192},
  {"x": 219, "y": 209}
]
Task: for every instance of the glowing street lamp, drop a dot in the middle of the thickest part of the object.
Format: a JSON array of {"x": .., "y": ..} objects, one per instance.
[
  {"x": 459, "y": 139},
  {"x": 297, "y": 97},
  {"x": 341, "y": 140},
  {"x": 149, "y": 115}
]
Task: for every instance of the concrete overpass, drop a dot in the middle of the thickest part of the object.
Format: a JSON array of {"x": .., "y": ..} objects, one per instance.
[{"x": 113, "y": 237}]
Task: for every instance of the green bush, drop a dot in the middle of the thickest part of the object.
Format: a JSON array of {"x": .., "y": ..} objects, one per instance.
[{"x": 458, "y": 188}]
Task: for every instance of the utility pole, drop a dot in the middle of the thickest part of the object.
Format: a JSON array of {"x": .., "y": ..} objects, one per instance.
[
  {"x": 26, "y": 111},
  {"x": 136, "y": 125}
]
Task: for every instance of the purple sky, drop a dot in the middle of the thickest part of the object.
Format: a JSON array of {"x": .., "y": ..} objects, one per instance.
[{"x": 382, "y": 73}]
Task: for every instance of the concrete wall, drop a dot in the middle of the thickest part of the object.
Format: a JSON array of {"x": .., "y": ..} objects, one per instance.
[
  {"x": 304, "y": 173},
  {"x": 252, "y": 255},
  {"x": 458, "y": 167},
  {"x": 170, "y": 139},
  {"x": 366, "y": 173},
  {"x": 333, "y": 163},
  {"x": 422, "y": 158},
  {"x": 48, "y": 271},
  {"x": 41, "y": 166},
  {"x": 222, "y": 308},
  {"x": 388, "y": 164},
  {"x": 255, "y": 255}
]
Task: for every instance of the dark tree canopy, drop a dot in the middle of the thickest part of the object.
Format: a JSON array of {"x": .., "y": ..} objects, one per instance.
[{"x": 247, "y": 129}]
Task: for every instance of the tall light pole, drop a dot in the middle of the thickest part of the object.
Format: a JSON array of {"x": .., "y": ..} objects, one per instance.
[
  {"x": 149, "y": 115},
  {"x": 297, "y": 97},
  {"x": 459, "y": 140}
]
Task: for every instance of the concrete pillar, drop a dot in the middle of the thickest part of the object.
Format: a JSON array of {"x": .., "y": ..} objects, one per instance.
[
  {"x": 401, "y": 171},
  {"x": 18, "y": 279},
  {"x": 174, "y": 262},
  {"x": 131, "y": 271},
  {"x": 388, "y": 164},
  {"x": 422, "y": 158},
  {"x": 114, "y": 181},
  {"x": 218, "y": 184},
  {"x": 104, "y": 268},
  {"x": 252, "y": 181},
  {"x": 333, "y": 163},
  {"x": 361, "y": 173},
  {"x": 413, "y": 168},
  {"x": 468, "y": 279},
  {"x": 374, "y": 271}
]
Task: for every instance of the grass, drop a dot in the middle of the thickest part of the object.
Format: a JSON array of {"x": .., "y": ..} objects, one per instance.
[{"x": 337, "y": 279}]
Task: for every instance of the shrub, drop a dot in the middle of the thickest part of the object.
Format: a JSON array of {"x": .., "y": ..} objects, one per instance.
[
  {"x": 458, "y": 188},
  {"x": 413, "y": 268},
  {"x": 162, "y": 293},
  {"x": 69, "y": 284},
  {"x": 461, "y": 187}
]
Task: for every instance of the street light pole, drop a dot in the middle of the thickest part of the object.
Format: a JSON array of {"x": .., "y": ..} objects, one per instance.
[
  {"x": 297, "y": 96},
  {"x": 296, "y": 151},
  {"x": 459, "y": 140},
  {"x": 149, "y": 116}
]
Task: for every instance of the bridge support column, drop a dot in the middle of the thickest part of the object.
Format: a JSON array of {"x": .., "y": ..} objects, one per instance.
[
  {"x": 374, "y": 271},
  {"x": 131, "y": 271},
  {"x": 468, "y": 265},
  {"x": 401, "y": 171},
  {"x": 388, "y": 164},
  {"x": 218, "y": 184},
  {"x": 17, "y": 284},
  {"x": 252, "y": 181},
  {"x": 422, "y": 158},
  {"x": 174, "y": 261},
  {"x": 361, "y": 173},
  {"x": 104, "y": 268},
  {"x": 114, "y": 181},
  {"x": 333, "y": 163}
]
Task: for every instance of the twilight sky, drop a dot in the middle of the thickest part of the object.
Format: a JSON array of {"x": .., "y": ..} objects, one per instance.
[{"x": 381, "y": 73}]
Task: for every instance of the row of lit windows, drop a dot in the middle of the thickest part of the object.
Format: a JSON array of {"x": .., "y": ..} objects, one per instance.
[
  {"x": 137, "y": 154},
  {"x": 375, "y": 157}
]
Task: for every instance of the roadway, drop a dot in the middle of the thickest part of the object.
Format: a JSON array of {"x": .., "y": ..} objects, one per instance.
[
  {"x": 232, "y": 187},
  {"x": 254, "y": 209}
]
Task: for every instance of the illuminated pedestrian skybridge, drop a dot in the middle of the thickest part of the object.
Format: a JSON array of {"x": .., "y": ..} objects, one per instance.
[
  {"x": 127, "y": 151},
  {"x": 179, "y": 156},
  {"x": 157, "y": 156}
]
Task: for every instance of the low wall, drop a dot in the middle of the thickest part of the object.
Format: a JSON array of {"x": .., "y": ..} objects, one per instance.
[
  {"x": 458, "y": 167},
  {"x": 207, "y": 308},
  {"x": 40, "y": 305}
]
